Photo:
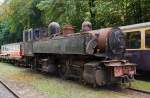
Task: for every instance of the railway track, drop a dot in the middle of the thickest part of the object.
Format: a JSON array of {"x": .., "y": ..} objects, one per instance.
[
  {"x": 140, "y": 91},
  {"x": 7, "y": 91},
  {"x": 16, "y": 96}
]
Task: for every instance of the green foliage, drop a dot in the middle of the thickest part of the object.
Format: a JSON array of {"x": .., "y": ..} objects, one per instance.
[{"x": 16, "y": 15}]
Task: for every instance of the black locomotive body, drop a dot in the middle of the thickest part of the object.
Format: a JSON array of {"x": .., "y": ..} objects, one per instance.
[{"x": 94, "y": 57}]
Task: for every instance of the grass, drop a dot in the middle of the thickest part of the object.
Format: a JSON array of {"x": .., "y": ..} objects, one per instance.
[
  {"x": 143, "y": 85},
  {"x": 58, "y": 88}
]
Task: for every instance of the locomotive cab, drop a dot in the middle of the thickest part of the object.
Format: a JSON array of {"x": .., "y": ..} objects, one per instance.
[{"x": 34, "y": 34}]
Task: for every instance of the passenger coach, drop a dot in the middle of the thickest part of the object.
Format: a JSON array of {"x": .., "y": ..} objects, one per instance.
[
  {"x": 12, "y": 52},
  {"x": 138, "y": 44}
]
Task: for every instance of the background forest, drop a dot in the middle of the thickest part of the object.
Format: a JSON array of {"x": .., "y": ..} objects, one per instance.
[{"x": 17, "y": 15}]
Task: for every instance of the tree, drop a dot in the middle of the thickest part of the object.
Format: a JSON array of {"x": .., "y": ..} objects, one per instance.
[{"x": 16, "y": 15}]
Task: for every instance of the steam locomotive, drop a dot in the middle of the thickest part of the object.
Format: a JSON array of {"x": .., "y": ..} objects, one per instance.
[{"x": 94, "y": 57}]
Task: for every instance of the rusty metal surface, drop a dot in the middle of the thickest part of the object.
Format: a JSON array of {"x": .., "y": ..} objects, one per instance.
[
  {"x": 68, "y": 29},
  {"x": 89, "y": 72},
  {"x": 101, "y": 77},
  {"x": 101, "y": 35},
  {"x": 28, "y": 48},
  {"x": 71, "y": 43},
  {"x": 61, "y": 45},
  {"x": 90, "y": 46}
]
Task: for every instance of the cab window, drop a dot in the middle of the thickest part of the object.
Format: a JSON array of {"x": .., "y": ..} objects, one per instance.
[
  {"x": 147, "y": 39},
  {"x": 25, "y": 36},
  {"x": 133, "y": 40},
  {"x": 36, "y": 34}
]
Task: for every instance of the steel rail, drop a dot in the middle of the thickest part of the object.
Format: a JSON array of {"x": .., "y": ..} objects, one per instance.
[
  {"x": 137, "y": 90},
  {"x": 9, "y": 89}
]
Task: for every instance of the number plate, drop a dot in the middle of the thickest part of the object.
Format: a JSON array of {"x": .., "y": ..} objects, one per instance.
[{"x": 118, "y": 71}]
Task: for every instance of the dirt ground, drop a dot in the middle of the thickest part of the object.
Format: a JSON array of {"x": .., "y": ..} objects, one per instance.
[{"x": 30, "y": 84}]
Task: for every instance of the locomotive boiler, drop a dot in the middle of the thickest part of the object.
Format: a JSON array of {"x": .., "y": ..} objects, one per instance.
[{"x": 94, "y": 57}]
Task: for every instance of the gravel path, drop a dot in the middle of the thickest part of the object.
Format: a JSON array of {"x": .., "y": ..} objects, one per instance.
[
  {"x": 21, "y": 89},
  {"x": 5, "y": 93},
  {"x": 137, "y": 94}
]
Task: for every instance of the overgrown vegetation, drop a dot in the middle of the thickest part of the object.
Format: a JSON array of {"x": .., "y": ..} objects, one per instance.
[{"x": 16, "y": 15}]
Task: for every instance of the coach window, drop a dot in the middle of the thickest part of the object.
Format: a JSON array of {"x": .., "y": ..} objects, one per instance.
[
  {"x": 133, "y": 40},
  {"x": 26, "y": 36},
  {"x": 29, "y": 35},
  {"x": 147, "y": 39}
]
